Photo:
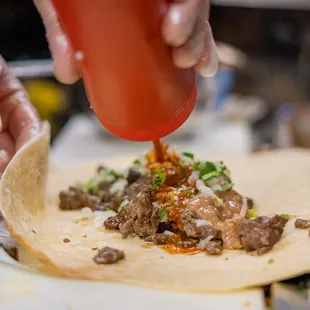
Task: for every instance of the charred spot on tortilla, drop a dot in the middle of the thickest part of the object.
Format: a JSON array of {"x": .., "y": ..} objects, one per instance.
[
  {"x": 66, "y": 240},
  {"x": 302, "y": 224},
  {"x": 108, "y": 255},
  {"x": 177, "y": 202}
]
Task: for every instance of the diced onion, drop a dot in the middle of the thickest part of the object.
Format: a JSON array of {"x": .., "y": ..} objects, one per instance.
[
  {"x": 205, "y": 190},
  {"x": 200, "y": 222},
  {"x": 217, "y": 165},
  {"x": 100, "y": 217},
  {"x": 192, "y": 179},
  {"x": 202, "y": 243},
  {"x": 216, "y": 187},
  {"x": 87, "y": 211},
  {"x": 118, "y": 187},
  {"x": 169, "y": 233},
  {"x": 244, "y": 208}
]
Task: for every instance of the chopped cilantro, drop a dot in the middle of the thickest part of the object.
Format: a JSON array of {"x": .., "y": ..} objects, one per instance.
[
  {"x": 189, "y": 155},
  {"x": 226, "y": 187},
  {"x": 285, "y": 216},
  {"x": 114, "y": 173},
  {"x": 91, "y": 187},
  {"x": 271, "y": 261},
  {"x": 252, "y": 213},
  {"x": 163, "y": 214},
  {"x": 210, "y": 175},
  {"x": 96, "y": 248},
  {"x": 137, "y": 162},
  {"x": 204, "y": 167},
  {"x": 159, "y": 178}
]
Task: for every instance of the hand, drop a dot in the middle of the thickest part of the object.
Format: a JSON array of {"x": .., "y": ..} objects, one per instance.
[
  {"x": 185, "y": 27},
  {"x": 19, "y": 121}
]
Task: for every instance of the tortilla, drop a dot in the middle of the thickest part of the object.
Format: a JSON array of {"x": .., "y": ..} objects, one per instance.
[{"x": 29, "y": 188}]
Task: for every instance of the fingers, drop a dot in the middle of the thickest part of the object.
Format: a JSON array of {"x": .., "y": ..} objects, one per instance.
[
  {"x": 66, "y": 70},
  {"x": 180, "y": 20},
  {"x": 187, "y": 29},
  {"x": 18, "y": 117},
  {"x": 7, "y": 149},
  {"x": 208, "y": 63}
]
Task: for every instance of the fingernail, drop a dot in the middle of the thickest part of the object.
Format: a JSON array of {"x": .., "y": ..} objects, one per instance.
[{"x": 211, "y": 68}]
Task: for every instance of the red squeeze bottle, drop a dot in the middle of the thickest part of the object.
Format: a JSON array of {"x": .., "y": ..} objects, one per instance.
[{"x": 132, "y": 84}]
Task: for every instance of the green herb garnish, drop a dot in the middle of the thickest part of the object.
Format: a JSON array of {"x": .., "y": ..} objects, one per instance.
[
  {"x": 271, "y": 261},
  {"x": 226, "y": 187},
  {"x": 204, "y": 167},
  {"x": 189, "y": 155},
  {"x": 210, "y": 175},
  {"x": 159, "y": 178},
  {"x": 285, "y": 216},
  {"x": 137, "y": 162},
  {"x": 163, "y": 214},
  {"x": 96, "y": 248},
  {"x": 252, "y": 213},
  {"x": 91, "y": 187}
]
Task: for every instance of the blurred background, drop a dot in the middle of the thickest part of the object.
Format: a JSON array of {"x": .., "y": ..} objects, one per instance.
[{"x": 259, "y": 99}]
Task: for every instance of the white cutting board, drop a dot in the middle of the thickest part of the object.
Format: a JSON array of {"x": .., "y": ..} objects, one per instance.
[{"x": 24, "y": 289}]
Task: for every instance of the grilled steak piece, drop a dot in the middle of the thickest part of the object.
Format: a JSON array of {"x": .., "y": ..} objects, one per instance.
[
  {"x": 108, "y": 255},
  {"x": 262, "y": 233},
  {"x": 303, "y": 224},
  {"x": 140, "y": 217},
  {"x": 76, "y": 198},
  {"x": 214, "y": 247}
]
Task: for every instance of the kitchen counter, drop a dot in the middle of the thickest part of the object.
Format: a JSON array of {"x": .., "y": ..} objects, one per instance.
[{"x": 83, "y": 138}]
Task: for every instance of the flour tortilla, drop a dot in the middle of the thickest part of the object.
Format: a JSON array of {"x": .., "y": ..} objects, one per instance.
[{"x": 278, "y": 181}]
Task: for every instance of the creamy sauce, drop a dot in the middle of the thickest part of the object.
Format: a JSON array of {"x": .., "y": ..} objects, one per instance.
[{"x": 205, "y": 208}]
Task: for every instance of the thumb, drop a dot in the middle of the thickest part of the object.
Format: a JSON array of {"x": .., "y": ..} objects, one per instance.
[{"x": 66, "y": 70}]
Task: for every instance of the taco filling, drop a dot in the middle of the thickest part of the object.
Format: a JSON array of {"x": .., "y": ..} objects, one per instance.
[{"x": 177, "y": 202}]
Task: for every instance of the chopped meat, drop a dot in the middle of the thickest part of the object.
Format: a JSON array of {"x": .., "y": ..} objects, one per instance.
[
  {"x": 303, "y": 224},
  {"x": 133, "y": 176},
  {"x": 108, "y": 255},
  {"x": 76, "y": 198},
  {"x": 158, "y": 239},
  {"x": 132, "y": 190},
  {"x": 140, "y": 217},
  {"x": 112, "y": 222},
  {"x": 214, "y": 247},
  {"x": 193, "y": 229},
  {"x": 262, "y": 233},
  {"x": 163, "y": 226},
  {"x": 102, "y": 207},
  {"x": 230, "y": 236},
  {"x": 108, "y": 200}
]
